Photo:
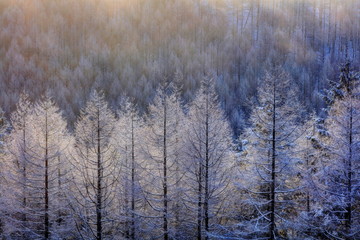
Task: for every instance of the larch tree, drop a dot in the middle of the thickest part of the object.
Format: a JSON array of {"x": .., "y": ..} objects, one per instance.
[
  {"x": 271, "y": 153},
  {"x": 51, "y": 140},
  {"x": 3, "y": 198},
  {"x": 311, "y": 150},
  {"x": 340, "y": 171},
  {"x": 20, "y": 148},
  {"x": 36, "y": 145},
  {"x": 207, "y": 143},
  {"x": 129, "y": 129},
  {"x": 95, "y": 169},
  {"x": 162, "y": 151}
]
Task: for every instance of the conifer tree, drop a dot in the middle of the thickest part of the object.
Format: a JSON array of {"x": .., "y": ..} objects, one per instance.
[
  {"x": 19, "y": 152},
  {"x": 340, "y": 171},
  {"x": 129, "y": 129},
  {"x": 162, "y": 150},
  {"x": 209, "y": 160},
  {"x": 51, "y": 140},
  {"x": 96, "y": 171},
  {"x": 271, "y": 153}
]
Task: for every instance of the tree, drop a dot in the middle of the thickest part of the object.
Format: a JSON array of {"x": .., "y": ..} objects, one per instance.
[
  {"x": 270, "y": 151},
  {"x": 209, "y": 160},
  {"x": 129, "y": 130},
  {"x": 340, "y": 178},
  {"x": 95, "y": 175},
  {"x": 162, "y": 150},
  {"x": 3, "y": 132},
  {"x": 311, "y": 150},
  {"x": 51, "y": 138},
  {"x": 20, "y": 147},
  {"x": 36, "y": 144}
]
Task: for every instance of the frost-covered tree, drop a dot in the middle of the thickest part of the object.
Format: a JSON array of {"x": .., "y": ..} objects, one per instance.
[
  {"x": 36, "y": 145},
  {"x": 271, "y": 155},
  {"x": 19, "y": 150},
  {"x": 95, "y": 170},
  {"x": 311, "y": 151},
  {"x": 340, "y": 171},
  {"x": 128, "y": 139},
  {"x": 207, "y": 142},
  {"x": 162, "y": 148},
  {"x": 3, "y": 197},
  {"x": 51, "y": 140}
]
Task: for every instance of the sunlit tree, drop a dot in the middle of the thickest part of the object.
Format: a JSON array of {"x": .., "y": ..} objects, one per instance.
[
  {"x": 209, "y": 161},
  {"x": 95, "y": 169}
]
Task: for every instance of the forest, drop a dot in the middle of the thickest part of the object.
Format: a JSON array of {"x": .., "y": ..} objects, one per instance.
[{"x": 179, "y": 119}]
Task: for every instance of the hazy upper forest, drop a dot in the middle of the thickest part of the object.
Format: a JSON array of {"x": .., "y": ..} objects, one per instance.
[
  {"x": 179, "y": 119},
  {"x": 127, "y": 47}
]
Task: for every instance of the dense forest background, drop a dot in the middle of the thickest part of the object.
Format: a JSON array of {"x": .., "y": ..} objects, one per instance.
[{"x": 127, "y": 47}]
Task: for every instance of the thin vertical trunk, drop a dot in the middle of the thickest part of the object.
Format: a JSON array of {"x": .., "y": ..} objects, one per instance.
[
  {"x": 334, "y": 38},
  {"x": 165, "y": 211},
  {"x": 46, "y": 220},
  {"x": 307, "y": 191},
  {"x": 126, "y": 197},
  {"x": 304, "y": 29},
  {"x": 206, "y": 200},
  {"x": 257, "y": 19},
  {"x": 177, "y": 175},
  {"x": 99, "y": 183},
  {"x": 273, "y": 168},
  {"x": 132, "y": 234},
  {"x": 59, "y": 220},
  {"x": 24, "y": 176},
  {"x": 314, "y": 26},
  {"x": 348, "y": 215},
  {"x": 199, "y": 217}
]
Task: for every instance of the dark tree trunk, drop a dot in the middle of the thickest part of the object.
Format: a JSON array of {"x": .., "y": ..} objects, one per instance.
[
  {"x": 132, "y": 232},
  {"x": 273, "y": 169},
  {"x": 24, "y": 177},
  {"x": 206, "y": 200},
  {"x": 126, "y": 197},
  {"x": 46, "y": 219},
  {"x": 199, "y": 217},
  {"x": 348, "y": 214},
  {"x": 99, "y": 185},
  {"x": 165, "y": 190}
]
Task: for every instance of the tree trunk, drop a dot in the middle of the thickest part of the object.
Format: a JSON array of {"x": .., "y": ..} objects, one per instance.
[
  {"x": 348, "y": 215},
  {"x": 206, "y": 200},
  {"x": 199, "y": 220},
  {"x": 132, "y": 233},
  {"x": 46, "y": 220},
  {"x": 165, "y": 211},
  {"x": 24, "y": 177},
  {"x": 126, "y": 197},
  {"x": 99, "y": 184},
  {"x": 273, "y": 169}
]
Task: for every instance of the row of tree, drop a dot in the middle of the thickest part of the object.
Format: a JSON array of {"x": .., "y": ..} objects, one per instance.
[{"x": 175, "y": 172}]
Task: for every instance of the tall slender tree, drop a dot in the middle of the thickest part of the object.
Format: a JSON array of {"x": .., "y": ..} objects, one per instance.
[
  {"x": 129, "y": 129},
  {"x": 20, "y": 148},
  {"x": 270, "y": 150},
  {"x": 208, "y": 150},
  {"x": 51, "y": 137},
  {"x": 38, "y": 140},
  {"x": 163, "y": 152},
  {"x": 96, "y": 172},
  {"x": 340, "y": 176},
  {"x": 3, "y": 130}
]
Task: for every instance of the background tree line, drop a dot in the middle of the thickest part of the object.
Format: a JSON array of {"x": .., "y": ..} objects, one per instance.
[{"x": 126, "y": 47}]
